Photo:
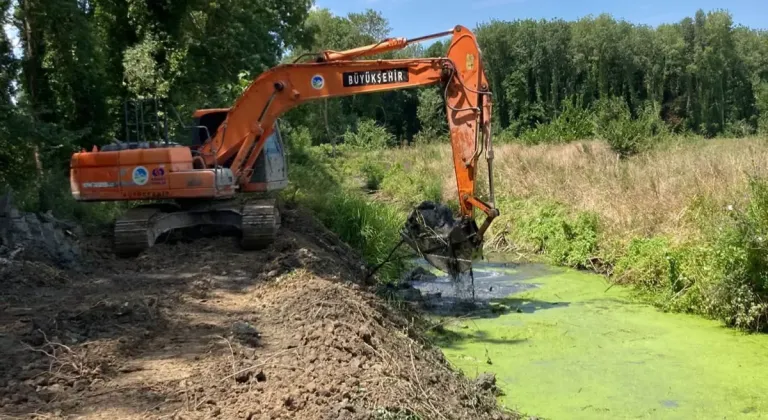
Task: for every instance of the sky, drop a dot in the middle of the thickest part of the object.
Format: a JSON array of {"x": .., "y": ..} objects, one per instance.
[{"x": 410, "y": 18}]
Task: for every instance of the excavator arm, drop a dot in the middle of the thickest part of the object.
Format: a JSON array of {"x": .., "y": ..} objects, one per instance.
[{"x": 249, "y": 121}]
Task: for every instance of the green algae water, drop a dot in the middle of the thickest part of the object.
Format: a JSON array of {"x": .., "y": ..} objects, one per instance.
[{"x": 565, "y": 345}]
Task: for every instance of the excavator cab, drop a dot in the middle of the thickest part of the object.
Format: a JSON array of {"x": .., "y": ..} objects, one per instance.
[
  {"x": 146, "y": 126},
  {"x": 270, "y": 172}
]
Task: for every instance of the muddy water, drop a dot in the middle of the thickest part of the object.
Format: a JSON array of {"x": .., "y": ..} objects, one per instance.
[{"x": 564, "y": 345}]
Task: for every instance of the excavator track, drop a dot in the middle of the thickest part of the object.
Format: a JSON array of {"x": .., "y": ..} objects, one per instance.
[
  {"x": 132, "y": 232},
  {"x": 260, "y": 223},
  {"x": 139, "y": 228}
]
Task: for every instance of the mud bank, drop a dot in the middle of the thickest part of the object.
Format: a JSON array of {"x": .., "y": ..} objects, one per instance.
[{"x": 203, "y": 330}]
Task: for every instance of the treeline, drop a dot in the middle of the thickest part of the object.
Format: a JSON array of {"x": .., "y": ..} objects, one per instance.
[
  {"x": 552, "y": 80},
  {"x": 706, "y": 75},
  {"x": 555, "y": 81}
]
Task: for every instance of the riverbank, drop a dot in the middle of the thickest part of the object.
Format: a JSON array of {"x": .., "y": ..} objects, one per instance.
[
  {"x": 684, "y": 224},
  {"x": 202, "y": 329}
]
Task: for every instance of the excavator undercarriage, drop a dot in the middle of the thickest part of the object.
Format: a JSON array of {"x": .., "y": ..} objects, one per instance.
[{"x": 257, "y": 220}]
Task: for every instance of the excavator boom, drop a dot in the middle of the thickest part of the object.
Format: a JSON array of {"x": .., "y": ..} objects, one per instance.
[{"x": 233, "y": 142}]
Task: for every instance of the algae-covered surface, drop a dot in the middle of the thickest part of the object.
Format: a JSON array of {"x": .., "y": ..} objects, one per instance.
[{"x": 571, "y": 347}]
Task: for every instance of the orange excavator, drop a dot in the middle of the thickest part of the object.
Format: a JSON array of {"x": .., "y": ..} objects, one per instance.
[{"x": 239, "y": 150}]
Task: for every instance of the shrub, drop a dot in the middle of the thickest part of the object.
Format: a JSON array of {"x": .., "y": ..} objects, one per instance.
[
  {"x": 431, "y": 111},
  {"x": 298, "y": 141},
  {"x": 374, "y": 173},
  {"x": 626, "y": 135},
  {"x": 723, "y": 275},
  {"x": 551, "y": 230},
  {"x": 762, "y": 107},
  {"x": 739, "y": 129},
  {"x": 646, "y": 262},
  {"x": 573, "y": 123},
  {"x": 369, "y": 135},
  {"x": 740, "y": 297}
]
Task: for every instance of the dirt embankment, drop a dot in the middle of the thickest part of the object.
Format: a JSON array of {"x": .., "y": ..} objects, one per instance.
[{"x": 203, "y": 330}]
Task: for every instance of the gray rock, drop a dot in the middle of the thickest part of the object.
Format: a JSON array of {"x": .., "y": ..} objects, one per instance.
[
  {"x": 246, "y": 333},
  {"x": 486, "y": 382},
  {"x": 420, "y": 274},
  {"x": 38, "y": 236}
]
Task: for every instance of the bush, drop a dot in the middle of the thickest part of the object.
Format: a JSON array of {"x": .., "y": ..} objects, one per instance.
[
  {"x": 549, "y": 229},
  {"x": 625, "y": 135},
  {"x": 739, "y": 129},
  {"x": 762, "y": 107},
  {"x": 646, "y": 263},
  {"x": 723, "y": 274},
  {"x": 740, "y": 297},
  {"x": 369, "y": 135},
  {"x": 573, "y": 123},
  {"x": 298, "y": 141},
  {"x": 374, "y": 173}
]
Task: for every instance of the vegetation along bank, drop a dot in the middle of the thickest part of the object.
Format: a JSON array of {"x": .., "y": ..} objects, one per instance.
[{"x": 684, "y": 223}]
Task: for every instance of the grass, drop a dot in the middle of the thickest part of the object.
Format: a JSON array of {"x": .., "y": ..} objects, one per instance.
[
  {"x": 684, "y": 221},
  {"x": 340, "y": 202}
]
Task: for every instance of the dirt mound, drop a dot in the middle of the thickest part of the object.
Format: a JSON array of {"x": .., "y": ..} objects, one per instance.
[
  {"x": 203, "y": 330},
  {"x": 35, "y": 237}
]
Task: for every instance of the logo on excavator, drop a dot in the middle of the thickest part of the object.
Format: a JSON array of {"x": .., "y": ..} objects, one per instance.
[
  {"x": 318, "y": 82},
  {"x": 140, "y": 175},
  {"x": 158, "y": 175}
]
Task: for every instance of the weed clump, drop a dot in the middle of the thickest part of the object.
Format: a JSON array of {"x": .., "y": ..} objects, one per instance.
[
  {"x": 371, "y": 227},
  {"x": 550, "y": 228}
]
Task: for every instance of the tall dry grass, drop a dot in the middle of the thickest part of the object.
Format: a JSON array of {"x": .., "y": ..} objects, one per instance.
[{"x": 644, "y": 195}]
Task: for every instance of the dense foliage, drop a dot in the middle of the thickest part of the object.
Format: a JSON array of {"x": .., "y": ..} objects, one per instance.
[
  {"x": 707, "y": 75},
  {"x": 80, "y": 60},
  {"x": 553, "y": 81}
]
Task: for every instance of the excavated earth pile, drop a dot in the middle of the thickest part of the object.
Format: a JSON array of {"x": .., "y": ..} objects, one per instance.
[{"x": 200, "y": 330}]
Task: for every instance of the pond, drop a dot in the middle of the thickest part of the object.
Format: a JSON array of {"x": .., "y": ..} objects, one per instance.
[{"x": 565, "y": 345}]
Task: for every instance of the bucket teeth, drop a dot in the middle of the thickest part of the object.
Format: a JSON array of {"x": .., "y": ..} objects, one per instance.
[{"x": 446, "y": 243}]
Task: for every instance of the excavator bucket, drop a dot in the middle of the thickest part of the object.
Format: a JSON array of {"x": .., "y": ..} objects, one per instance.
[{"x": 448, "y": 244}]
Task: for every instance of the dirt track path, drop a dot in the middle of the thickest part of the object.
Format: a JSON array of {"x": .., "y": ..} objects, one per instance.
[{"x": 203, "y": 330}]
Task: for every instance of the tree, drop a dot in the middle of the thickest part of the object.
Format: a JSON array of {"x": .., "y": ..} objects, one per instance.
[
  {"x": 431, "y": 113},
  {"x": 395, "y": 110}
]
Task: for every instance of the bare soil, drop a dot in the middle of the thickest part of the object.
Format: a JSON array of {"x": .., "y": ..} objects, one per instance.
[{"x": 201, "y": 329}]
